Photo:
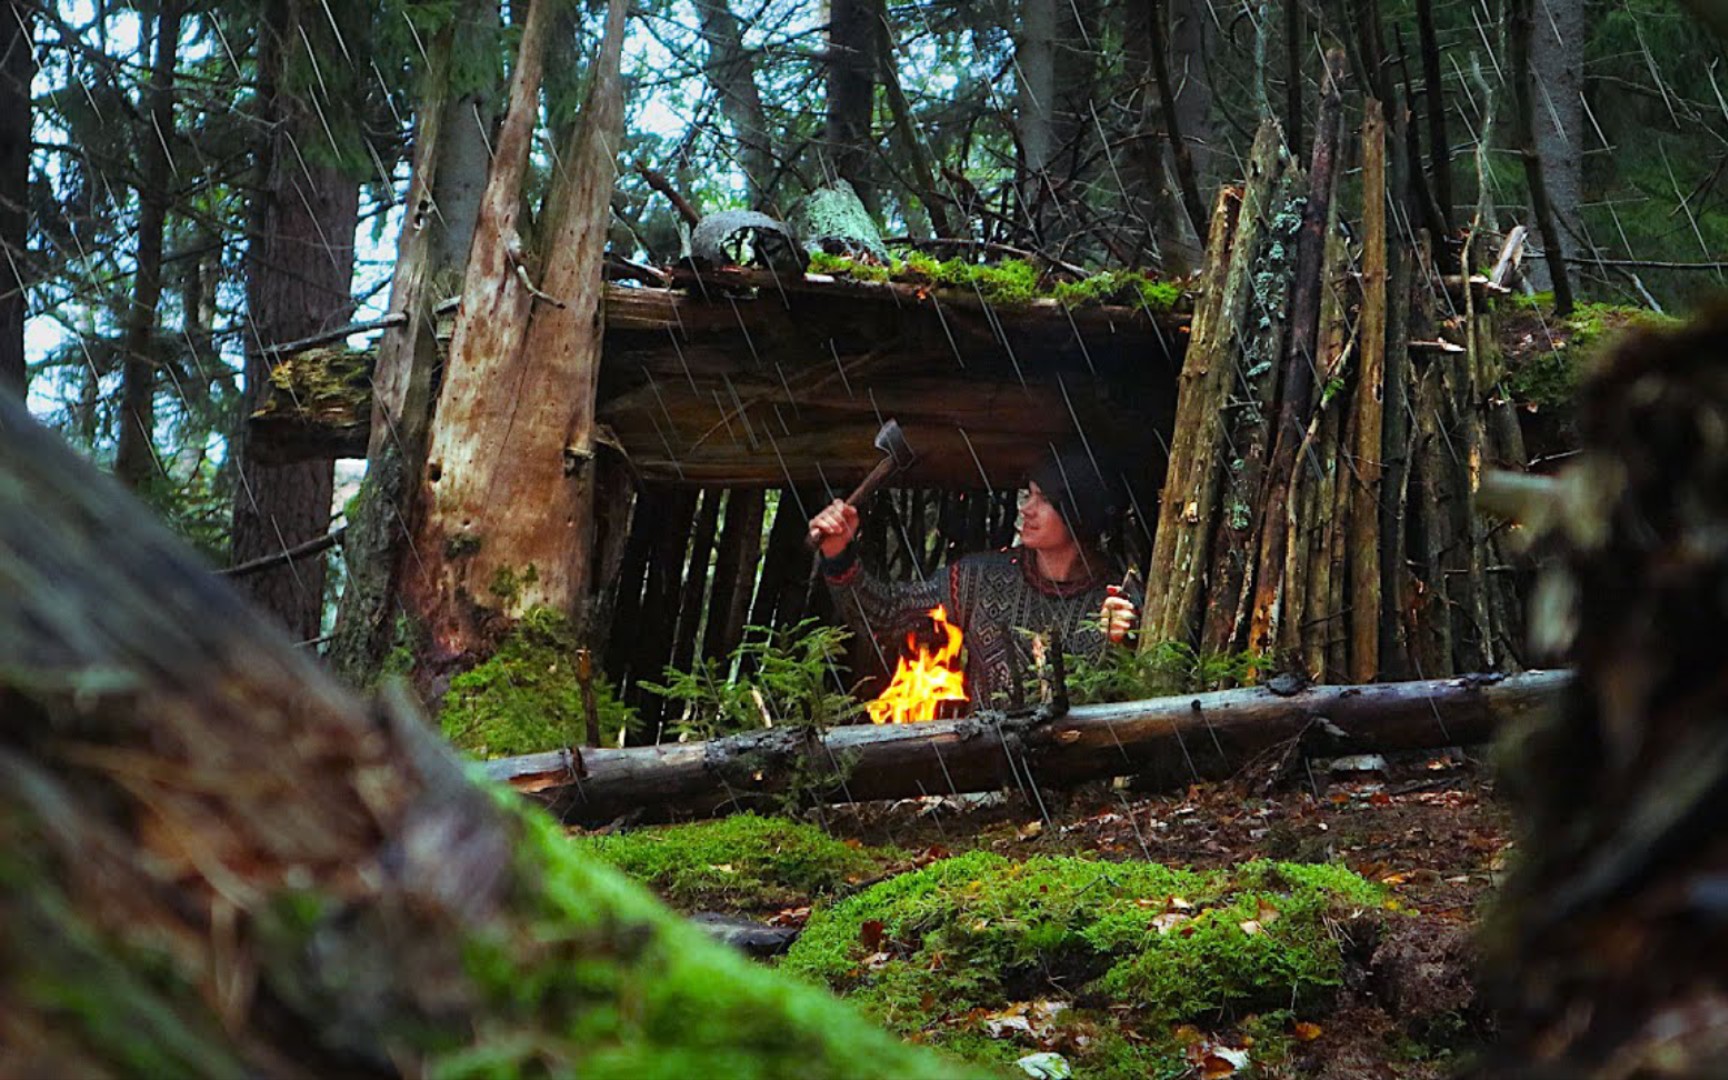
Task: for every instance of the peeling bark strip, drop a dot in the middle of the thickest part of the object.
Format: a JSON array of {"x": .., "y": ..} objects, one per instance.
[
  {"x": 1175, "y": 740},
  {"x": 508, "y": 487}
]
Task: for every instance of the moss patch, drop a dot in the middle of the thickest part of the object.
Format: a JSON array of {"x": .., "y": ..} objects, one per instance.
[
  {"x": 743, "y": 862},
  {"x": 1548, "y": 355},
  {"x": 1013, "y": 281},
  {"x": 526, "y": 698},
  {"x": 603, "y": 982},
  {"x": 939, "y": 953},
  {"x": 329, "y": 384}
]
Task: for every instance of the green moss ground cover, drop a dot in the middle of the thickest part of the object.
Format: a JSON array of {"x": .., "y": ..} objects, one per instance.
[
  {"x": 526, "y": 697},
  {"x": 740, "y": 863},
  {"x": 1136, "y": 950}
]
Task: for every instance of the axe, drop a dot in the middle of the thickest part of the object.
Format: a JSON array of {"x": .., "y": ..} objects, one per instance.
[{"x": 897, "y": 456}]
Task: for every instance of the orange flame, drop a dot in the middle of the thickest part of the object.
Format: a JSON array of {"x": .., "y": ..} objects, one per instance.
[{"x": 923, "y": 679}]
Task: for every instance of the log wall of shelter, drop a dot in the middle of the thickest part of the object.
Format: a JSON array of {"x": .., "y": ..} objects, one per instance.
[{"x": 1359, "y": 555}]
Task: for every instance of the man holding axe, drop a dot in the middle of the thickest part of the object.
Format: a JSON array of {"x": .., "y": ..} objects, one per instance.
[{"x": 1056, "y": 578}]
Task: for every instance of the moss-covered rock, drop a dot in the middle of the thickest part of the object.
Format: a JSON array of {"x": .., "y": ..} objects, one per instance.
[
  {"x": 527, "y": 696},
  {"x": 937, "y": 954},
  {"x": 743, "y": 862}
]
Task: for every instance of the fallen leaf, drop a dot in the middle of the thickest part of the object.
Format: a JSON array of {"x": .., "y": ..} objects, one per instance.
[
  {"x": 1168, "y": 921},
  {"x": 1306, "y": 1031},
  {"x": 871, "y": 934},
  {"x": 1266, "y": 914},
  {"x": 724, "y": 868},
  {"x": 1029, "y": 831},
  {"x": 1251, "y": 927}
]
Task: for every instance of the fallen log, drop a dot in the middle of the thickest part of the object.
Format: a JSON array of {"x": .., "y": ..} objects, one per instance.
[{"x": 1165, "y": 740}]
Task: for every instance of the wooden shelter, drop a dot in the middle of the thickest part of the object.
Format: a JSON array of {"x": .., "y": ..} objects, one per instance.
[{"x": 740, "y": 399}]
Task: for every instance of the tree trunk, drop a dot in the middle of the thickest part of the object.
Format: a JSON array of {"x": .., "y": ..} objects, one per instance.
[
  {"x": 911, "y": 141},
  {"x": 135, "y": 456},
  {"x": 467, "y": 128},
  {"x": 1035, "y": 100},
  {"x": 17, "y": 69},
  {"x": 514, "y": 424},
  {"x": 731, "y": 73},
  {"x": 1368, "y": 464},
  {"x": 448, "y": 142},
  {"x": 854, "y": 30},
  {"x": 1173, "y": 740},
  {"x": 300, "y": 266},
  {"x": 1557, "y": 128},
  {"x": 1523, "y": 34},
  {"x": 1434, "y": 95},
  {"x": 217, "y": 862}
]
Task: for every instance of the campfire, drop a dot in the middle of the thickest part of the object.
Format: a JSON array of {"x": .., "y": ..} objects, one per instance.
[{"x": 924, "y": 678}]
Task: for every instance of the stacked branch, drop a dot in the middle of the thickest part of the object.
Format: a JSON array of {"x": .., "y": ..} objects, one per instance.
[{"x": 1316, "y": 507}]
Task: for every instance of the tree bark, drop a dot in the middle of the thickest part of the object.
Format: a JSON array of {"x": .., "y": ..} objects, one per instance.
[
  {"x": 1187, "y": 509},
  {"x": 218, "y": 862},
  {"x": 17, "y": 69},
  {"x": 1175, "y": 133},
  {"x": 731, "y": 73},
  {"x": 1367, "y": 469},
  {"x": 1434, "y": 96},
  {"x": 135, "y": 455},
  {"x": 1299, "y": 359},
  {"x": 734, "y": 572},
  {"x": 1174, "y": 740},
  {"x": 1558, "y": 35},
  {"x": 514, "y": 423},
  {"x": 854, "y": 30},
  {"x": 1604, "y": 942},
  {"x": 300, "y": 266},
  {"x": 1035, "y": 99},
  {"x": 408, "y": 356},
  {"x": 1522, "y": 36}
]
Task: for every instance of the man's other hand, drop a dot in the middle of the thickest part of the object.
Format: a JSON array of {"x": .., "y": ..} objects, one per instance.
[
  {"x": 1119, "y": 616},
  {"x": 835, "y": 527}
]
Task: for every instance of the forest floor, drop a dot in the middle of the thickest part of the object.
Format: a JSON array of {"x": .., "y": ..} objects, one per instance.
[{"x": 1428, "y": 827}]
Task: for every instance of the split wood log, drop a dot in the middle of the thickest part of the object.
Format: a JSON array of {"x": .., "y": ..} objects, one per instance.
[{"x": 1167, "y": 740}]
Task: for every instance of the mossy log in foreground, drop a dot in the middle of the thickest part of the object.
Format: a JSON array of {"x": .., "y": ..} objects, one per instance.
[
  {"x": 1172, "y": 740},
  {"x": 215, "y": 862}
]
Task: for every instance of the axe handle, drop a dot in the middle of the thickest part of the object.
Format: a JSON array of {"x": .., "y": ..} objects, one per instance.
[{"x": 872, "y": 480}]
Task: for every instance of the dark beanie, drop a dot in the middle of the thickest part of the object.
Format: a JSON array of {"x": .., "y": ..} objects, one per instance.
[{"x": 1073, "y": 484}]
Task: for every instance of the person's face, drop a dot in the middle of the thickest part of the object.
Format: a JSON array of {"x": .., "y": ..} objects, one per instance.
[{"x": 1041, "y": 527}]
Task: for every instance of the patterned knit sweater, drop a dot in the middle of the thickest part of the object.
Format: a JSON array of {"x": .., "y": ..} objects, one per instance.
[{"x": 997, "y": 599}]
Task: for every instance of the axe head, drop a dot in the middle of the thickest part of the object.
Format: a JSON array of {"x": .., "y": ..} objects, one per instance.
[{"x": 892, "y": 441}]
